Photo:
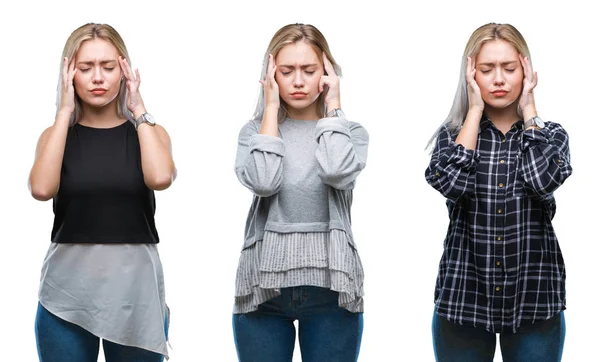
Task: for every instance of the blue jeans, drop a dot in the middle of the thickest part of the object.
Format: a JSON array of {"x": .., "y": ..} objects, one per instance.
[
  {"x": 326, "y": 332},
  {"x": 60, "y": 341},
  {"x": 541, "y": 341}
]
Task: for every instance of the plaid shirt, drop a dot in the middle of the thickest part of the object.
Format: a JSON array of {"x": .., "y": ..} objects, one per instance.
[{"x": 501, "y": 262}]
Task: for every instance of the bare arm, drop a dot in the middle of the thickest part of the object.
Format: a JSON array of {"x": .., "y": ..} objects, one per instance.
[
  {"x": 44, "y": 178},
  {"x": 157, "y": 160}
]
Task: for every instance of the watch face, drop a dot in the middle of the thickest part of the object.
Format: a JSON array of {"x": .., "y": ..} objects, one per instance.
[
  {"x": 148, "y": 118},
  {"x": 539, "y": 122}
]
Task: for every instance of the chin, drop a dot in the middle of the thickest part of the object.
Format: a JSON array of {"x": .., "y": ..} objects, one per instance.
[{"x": 500, "y": 103}]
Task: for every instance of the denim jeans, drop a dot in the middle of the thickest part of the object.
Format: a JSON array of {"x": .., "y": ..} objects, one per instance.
[
  {"x": 541, "y": 341},
  {"x": 326, "y": 332},
  {"x": 60, "y": 341}
]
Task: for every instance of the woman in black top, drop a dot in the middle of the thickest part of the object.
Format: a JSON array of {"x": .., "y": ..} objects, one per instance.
[
  {"x": 498, "y": 164},
  {"x": 100, "y": 162}
]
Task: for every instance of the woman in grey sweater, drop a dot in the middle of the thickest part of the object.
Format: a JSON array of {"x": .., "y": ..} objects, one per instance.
[{"x": 300, "y": 157}]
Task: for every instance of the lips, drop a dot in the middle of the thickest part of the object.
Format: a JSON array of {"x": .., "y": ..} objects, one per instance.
[
  {"x": 500, "y": 93},
  {"x": 299, "y": 95},
  {"x": 98, "y": 91}
]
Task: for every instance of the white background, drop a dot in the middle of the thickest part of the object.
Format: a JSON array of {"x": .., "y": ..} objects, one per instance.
[{"x": 200, "y": 67}]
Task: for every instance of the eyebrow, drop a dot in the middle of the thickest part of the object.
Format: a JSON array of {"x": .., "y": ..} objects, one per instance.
[
  {"x": 92, "y": 62},
  {"x": 503, "y": 63},
  {"x": 302, "y": 66}
]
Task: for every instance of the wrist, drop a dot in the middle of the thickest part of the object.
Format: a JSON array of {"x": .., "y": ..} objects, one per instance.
[
  {"x": 474, "y": 113},
  {"x": 138, "y": 111},
  {"x": 336, "y": 104},
  {"x": 529, "y": 112},
  {"x": 63, "y": 114}
]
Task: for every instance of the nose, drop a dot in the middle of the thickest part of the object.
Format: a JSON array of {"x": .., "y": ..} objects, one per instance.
[
  {"x": 298, "y": 80},
  {"x": 97, "y": 78},
  {"x": 499, "y": 79}
]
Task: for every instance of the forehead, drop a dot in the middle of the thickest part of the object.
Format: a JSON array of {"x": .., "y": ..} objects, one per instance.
[
  {"x": 497, "y": 51},
  {"x": 297, "y": 53},
  {"x": 97, "y": 49}
]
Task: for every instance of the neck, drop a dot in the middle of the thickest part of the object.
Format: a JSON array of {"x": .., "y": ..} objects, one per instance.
[
  {"x": 503, "y": 118},
  {"x": 100, "y": 117},
  {"x": 309, "y": 113}
]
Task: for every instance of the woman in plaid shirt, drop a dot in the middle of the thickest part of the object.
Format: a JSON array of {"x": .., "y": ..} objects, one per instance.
[{"x": 498, "y": 164}]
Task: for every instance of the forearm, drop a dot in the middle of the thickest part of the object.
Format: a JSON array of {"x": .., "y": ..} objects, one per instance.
[
  {"x": 341, "y": 152},
  {"x": 545, "y": 159},
  {"x": 44, "y": 178},
  {"x": 270, "y": 124},
  {"x": 157, "y": 162},
  {"x": 452, "y": 167},
  {"x": 467, "y": 137}
]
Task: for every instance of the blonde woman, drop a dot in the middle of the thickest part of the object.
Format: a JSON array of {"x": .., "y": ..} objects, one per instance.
[
  {"x": 100, "y": 163},
  {"x": 498, "y": 163},
  {"x": 300, "y": 157}
]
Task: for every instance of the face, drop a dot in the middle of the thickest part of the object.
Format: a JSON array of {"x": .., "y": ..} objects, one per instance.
[
  {"x": 98, "y": 74},
  {"x": 499, "y": 73},
  {"x": 299, "y": 71}
]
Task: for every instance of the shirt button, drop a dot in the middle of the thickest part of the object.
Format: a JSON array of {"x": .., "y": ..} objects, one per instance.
[
  {"x": 498, "y": 263},
  {"x": 504, "y": 140},
  {"x": 502, "y": 161},
  {"x": 499, "y": 238},
  {"x": 501, "y": 185},
  {"x": 499, "y": 211},
  {"x": 497, "y": 289}
]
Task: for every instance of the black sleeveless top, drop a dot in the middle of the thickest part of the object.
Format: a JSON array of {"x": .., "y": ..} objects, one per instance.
[{"x": 102, "y": 196}]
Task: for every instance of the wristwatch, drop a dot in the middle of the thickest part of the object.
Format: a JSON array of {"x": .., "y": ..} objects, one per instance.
[
  {"x": 336, "y": 112},
  {"x": 534, "y": 121},
  {"x": 145, "y": 118}
]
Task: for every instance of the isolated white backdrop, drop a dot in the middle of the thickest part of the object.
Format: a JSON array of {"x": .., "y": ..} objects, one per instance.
[{"x": 200, "y": 66}]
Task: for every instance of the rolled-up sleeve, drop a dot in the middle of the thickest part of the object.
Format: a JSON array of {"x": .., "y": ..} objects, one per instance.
[
  {"x": 259, "y": 161},
  {"x": 341, "y": 152},
  {"x": 452, "y": 168},
  {"x": 545, "y": 162}
]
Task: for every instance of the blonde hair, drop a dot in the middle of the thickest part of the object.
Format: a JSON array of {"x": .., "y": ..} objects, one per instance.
[
  {"x": 79, "y": 36},
  {"x": 291, "y": 34},
  {"x": 480, "y": 36}
]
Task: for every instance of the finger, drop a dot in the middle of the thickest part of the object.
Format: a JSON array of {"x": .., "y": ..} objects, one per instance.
[
  {"x": 71, "y": 73},
  {"x": 470, "y": 69},
  {"x": 122, "y": 66},
  {"x": 137, "y": 76},
  {"x": 65, "y": 71},
  {"x": 126, "y": 69},
  {"x": 270, "y": 65},
  {"x": 324, "y": 81},
  {"x": 273, "y": 68},
  {"x": 328, "y": 66},
  {"x": 527, "y": 70}
]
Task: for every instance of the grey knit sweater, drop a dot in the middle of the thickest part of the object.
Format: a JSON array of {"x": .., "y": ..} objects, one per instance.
[{"x": 303, "y": 179}]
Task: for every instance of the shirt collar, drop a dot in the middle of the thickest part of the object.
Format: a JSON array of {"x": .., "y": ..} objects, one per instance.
[{"x": 486, "y": 123}]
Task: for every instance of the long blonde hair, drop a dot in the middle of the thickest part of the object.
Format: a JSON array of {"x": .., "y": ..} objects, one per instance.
[
  {"x": 291, "y": 34},
  {"x": 88, "y": 32},
  {"x": 480, "y": 36}
]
